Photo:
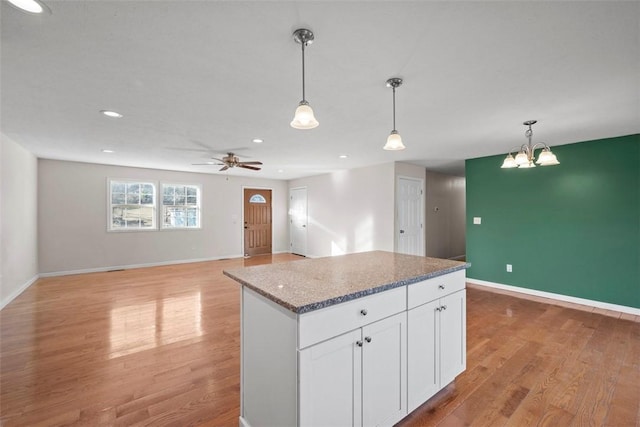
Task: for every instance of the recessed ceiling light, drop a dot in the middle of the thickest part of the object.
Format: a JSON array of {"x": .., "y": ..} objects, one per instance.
[
  {"x": 31, "y": 6},
  {"x": 343, "y": 156},
  {"x": 106, "y": 150},
  {"x": 257, "y": 140},
  {"x": 110, "y": 113},
  {"x": 280, "y": 170}
]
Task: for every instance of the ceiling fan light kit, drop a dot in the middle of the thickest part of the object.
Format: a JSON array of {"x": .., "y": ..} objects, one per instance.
[
  {"x": 525, "y": 157},
  {"x": 304, "y": 117},
  {"x": 394, "y": 140}
]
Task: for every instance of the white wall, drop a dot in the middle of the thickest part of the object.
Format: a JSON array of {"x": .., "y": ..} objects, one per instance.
[
  {"x": 445, "y": 215},
  {"x": 18, "y": 219},
  {"x": 72, "y": 219},
  {"x": 350, "y": 211}
]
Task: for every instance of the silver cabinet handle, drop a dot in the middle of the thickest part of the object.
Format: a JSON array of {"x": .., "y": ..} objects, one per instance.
[
  {"x": 367, "y": 339},
  {"x": 438, "y": 308},
  {"x": 363, "y": 312},
  {"x": 441, "y": 287},
  {"x": 444, "y": 307},
  {"x": 359, "y": 343}
]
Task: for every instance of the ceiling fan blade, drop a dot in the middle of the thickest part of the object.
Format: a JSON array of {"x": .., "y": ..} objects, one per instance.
[
  {"x": 224, "y": 168},
  {"x": 242, "y": 165},
  {"x": 250, "y": 163}
]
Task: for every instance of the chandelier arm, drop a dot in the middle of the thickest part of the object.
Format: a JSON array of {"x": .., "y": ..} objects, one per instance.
[{"x": 540, "y": 144}]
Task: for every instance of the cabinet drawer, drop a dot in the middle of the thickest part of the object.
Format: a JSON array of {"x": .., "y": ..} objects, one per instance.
[
  {"x": 432, "y": 289},
  {"x": 319, "y": 325}
]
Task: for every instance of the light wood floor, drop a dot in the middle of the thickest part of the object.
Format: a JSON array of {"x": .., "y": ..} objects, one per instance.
[{"x": 160, "y": 346}]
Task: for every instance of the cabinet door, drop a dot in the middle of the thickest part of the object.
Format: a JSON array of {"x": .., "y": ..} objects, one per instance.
[
  {"x": 384, "y": 371},
  {"x": 330, "y": 382},
  {"x": 423, "y": 349},
  {"x": 453, "y": 320}
]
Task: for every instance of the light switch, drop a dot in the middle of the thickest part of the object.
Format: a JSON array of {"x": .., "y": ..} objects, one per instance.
[{"x": 477, "y": 220}]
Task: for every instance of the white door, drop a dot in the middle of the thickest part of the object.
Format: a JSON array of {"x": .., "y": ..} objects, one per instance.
[
  {"x": 298, "y": 220},
  {"x": 410, "y": 216},
  {"x": 330, "y": 382},
  {"x": 423, "y": 354},
  {"x": 384, "y": 371},
  {"x": 453, "y": 349}
]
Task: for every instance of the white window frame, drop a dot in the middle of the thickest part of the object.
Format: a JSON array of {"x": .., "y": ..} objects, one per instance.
[
  {"x": 197, "y": 206},
  {"x": 111, "y": 205}
]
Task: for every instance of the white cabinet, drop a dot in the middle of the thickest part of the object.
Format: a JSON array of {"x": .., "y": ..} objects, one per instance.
[
  {"x": 365, "y": 362},
  {"x": 436, "y": 345},
  {"x": 356, "y": 379}
]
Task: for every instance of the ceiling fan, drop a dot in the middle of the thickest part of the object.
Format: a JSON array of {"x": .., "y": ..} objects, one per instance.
[{"x": 231, "y": 161}]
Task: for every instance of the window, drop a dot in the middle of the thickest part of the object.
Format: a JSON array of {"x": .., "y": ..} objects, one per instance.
[
  {"x": 180, "y": 206},
  {"x": 132, "y": 206},
  {"x": 257, "y": 198}
]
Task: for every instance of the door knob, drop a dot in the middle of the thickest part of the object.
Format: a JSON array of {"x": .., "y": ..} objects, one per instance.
[
  {"x": 363, "y": 311},
  {"x": 359, "y": 343},
  {"x": 367, "y": 339}
]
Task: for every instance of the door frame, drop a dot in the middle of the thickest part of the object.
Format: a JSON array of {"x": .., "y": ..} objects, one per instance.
[
  {"x": 423, "y": 243},
  {"x": 254, "y": 187}
]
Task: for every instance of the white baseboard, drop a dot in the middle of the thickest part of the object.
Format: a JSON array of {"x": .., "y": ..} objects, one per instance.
[
  {"x": 559, "y": 297},
  {"x": 18, "y": 291},
  {"x": 130, "y": 266}
]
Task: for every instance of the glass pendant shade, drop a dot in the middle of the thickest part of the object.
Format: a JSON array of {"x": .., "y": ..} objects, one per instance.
[
  {"x": 304, "y": 118},
  {"x": 394, "y": 142},
  {"x": 521, "y": 158},
  {"x": 30, "y": 6},
  {"x": 529, "y": 164},
  {"x": 509, "y": 162},
  {"x": 547, "y": 158}
]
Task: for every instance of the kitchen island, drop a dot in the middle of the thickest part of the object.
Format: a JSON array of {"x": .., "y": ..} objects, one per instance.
[{"x": 353, "y": 340}]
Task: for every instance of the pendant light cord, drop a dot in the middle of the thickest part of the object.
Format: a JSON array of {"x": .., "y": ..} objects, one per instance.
[
  {"x": 303, "y": 94},
  {"x": 394, "y": 108}
]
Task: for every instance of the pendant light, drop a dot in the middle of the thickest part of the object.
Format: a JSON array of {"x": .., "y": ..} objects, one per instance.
[
  {"x": 394, "y": 140},
  {"x": 524, "y": 158},
  {"x": 304, "y": 118}
]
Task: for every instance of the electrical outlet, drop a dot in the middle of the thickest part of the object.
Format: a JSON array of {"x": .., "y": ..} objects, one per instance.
[
  {"x": 509, "y": 268},
  {"x": 477, "y": 220}
]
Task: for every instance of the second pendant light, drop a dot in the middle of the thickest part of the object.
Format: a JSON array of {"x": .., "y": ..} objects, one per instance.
[
  {"x": 394, "y": 140},
  {"x": 304, "y": 118}
]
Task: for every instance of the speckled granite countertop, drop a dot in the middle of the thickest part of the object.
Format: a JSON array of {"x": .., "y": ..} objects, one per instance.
[{"x": 311, "y": 284}]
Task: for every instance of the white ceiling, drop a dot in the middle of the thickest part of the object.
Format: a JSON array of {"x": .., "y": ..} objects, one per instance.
[{"x": 197, "y": 78}]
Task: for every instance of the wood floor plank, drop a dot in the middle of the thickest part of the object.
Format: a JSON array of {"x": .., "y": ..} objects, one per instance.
[{"x": 161, "y": 346}]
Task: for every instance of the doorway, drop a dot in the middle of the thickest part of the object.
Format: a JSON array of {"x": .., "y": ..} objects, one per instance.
[
  {"x": 257, "y": 221},
  {"x": 410, "y": 216},
  {"x": 298, "y": 220}
]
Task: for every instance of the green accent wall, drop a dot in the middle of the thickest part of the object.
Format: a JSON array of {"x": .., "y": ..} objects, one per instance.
[{"x": 571, "y": 229}]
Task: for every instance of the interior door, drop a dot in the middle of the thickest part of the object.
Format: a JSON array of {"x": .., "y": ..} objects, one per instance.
[
  {"x": 410, "y": 216},
  {"x": 257, "y": 221},
  {"x": 298, "y": 220}
]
